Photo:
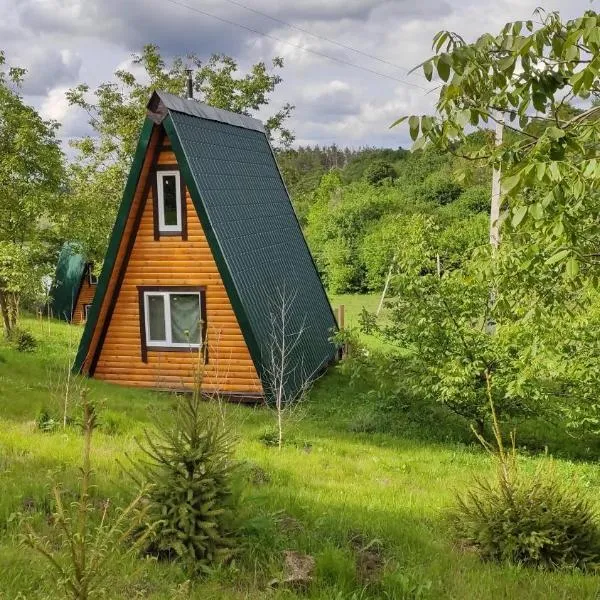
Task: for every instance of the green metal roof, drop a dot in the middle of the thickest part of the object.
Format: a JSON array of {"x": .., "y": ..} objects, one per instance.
[
  {"x": 230, "y": 170},
  {"x": 70, "y": 269}
]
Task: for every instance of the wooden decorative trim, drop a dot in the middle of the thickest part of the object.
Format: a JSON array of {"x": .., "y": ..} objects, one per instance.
[
  {"x": 142, "y": 289},
  {"x": 183, "y": 203},
  {"x": 152, "y": 176},
  {"x": 166, "y": 167},
  {"x": 125, "y": 262},
  {"x": 88, "y": 344}
]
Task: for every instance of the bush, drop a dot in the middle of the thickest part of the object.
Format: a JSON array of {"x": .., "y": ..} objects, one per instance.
[
  {"x": 379, "y": 170},
  {"x": 46, "y": 422},
  {"x": 535, "y": 521},
  {"x": 438, "y": 188},
  {"x": 23, "y": 340},
  {"x": 189, "y": 468}
]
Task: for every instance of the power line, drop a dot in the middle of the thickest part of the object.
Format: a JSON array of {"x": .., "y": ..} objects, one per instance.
[
  {"x": 297, "y": 46},
  {"x": 316, "y": 35}
]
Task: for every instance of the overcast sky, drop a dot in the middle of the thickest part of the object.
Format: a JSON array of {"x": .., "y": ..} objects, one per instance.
[{"x": 65, "y": 42}]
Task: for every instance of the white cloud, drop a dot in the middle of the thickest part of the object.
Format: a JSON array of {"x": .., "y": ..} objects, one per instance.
[{"x": 67, "y": 41}]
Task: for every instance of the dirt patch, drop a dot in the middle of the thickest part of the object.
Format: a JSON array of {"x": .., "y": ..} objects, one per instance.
[
  {"x": 297, "y": 571},
  {"x": 289, "y": 524},
  {"x": 369, "y": 557}
]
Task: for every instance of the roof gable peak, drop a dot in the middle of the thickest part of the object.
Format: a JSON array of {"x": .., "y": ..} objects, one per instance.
[{"x": 161, "y": 103}]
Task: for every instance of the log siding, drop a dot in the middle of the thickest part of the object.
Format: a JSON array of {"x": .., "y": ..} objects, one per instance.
[{"x": 85, "y": 296}]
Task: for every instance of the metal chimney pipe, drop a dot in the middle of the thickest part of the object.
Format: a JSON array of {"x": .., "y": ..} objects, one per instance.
[{"x": 190, "y": 84}]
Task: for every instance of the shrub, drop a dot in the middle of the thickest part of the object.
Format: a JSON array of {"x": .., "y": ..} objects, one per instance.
[
  {"x": 269, "y": 437},
  {"x": 535, "y": 521},
  {"x": 438, "y": 188},
  {"x": 23, "y": 340},
  {"x": 379, "y": 170},
  {"x": 45, "y": 421},
  {"x": 190, "y": 503}
]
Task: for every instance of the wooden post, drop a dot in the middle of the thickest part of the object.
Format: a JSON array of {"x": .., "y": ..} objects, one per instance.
[
  {"x": 341, "y": 316},
  {"x": 385, "y": 287}
]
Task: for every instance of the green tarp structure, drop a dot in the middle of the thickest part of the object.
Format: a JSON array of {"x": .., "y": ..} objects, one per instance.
[
  {"x": 67, "y": 281},
  {"x": 230, "y": 170}
]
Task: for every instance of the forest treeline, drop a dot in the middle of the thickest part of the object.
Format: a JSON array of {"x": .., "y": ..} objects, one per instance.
[{"x": 355, "y": 206}]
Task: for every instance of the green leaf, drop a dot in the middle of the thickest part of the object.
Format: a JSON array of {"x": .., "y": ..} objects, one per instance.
[
  {"x": 428, "y": 70},
  {"x": 540, "y": 171},
  {"x": 507, "y": 63},
  {"x": 443, "y": 67},
  {"x": 536, "y": 211},
  {"x": 510, "y": 183},
  {"x": 539, "y": 101},
  {"x": 572, "y": 268},
  {"x": 518, "y": 215},
  {"x": 558, "y": 256},
  {"x": 414, "y": 123},
  {"x": 398, "y": 121},
  {"x": 555, "y": 133},
  {"x": 558, "y": 229}
]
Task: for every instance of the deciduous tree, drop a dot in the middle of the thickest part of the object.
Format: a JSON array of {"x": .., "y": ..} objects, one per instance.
[{"x": 31, "y": 173}]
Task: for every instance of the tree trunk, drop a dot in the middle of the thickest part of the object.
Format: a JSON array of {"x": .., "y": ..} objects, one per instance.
[
  {"x": 13, "y": 309},
  {"x": 5, "y": 314},
  {"x": 480, "y": 426}
]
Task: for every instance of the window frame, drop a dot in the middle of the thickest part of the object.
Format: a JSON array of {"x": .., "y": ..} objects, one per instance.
[
  {"x": 148, "y": 345},
  {"x": 163, "y": 228},
  {"x": 92, "y": 279},
  {"x": 86, "y": 310}
]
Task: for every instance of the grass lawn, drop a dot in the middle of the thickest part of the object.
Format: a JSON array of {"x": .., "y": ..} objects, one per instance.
[{"x": 337, "y": 486}]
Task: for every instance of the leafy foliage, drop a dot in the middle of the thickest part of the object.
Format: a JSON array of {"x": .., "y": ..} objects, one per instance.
[
  {"x": 378, "y": 171},
  {"x": 528, "y": 74},
  {"x": 356, "y": 228},
  {"x": 31, "y": 173},
  {"x": 189, "y": 468}
]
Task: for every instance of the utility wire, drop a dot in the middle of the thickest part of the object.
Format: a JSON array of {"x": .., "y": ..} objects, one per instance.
[
  {"x": 298, "y": 46},
  {"x": 316, "y": 35}
]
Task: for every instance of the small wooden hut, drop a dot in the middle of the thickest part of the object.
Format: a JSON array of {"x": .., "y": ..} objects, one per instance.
[
  {"x": 205, "y": 245},
  {"x": 74, "y": 286}
]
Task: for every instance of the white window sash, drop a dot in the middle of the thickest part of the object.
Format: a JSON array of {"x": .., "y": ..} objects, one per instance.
[
  {"x": 162, "y": 226},
  {"x": 168, "y": 343}
]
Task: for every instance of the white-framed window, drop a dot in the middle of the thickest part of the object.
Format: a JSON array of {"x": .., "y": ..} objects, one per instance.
[
  {"x": 173, "y": 319},
  {"x": 169, "y": 201},
  {"x": 86, "y": 311},
  {"x": 92, "y": 279}
]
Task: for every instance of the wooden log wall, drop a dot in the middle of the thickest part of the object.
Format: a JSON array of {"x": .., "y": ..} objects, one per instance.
[
  {"x": 171, "y": 261},
  {"x": 86, "y": 296}
]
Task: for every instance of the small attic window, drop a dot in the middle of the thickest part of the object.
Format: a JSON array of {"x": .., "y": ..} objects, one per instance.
[
  {"x": 169, "y": 201},
  {"x": 92, "y": 279}
]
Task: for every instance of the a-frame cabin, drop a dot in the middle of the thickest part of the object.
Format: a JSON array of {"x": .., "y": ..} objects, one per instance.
[
  {"x": 205, "y": 245},
  {"x": 74, "y": 286}
]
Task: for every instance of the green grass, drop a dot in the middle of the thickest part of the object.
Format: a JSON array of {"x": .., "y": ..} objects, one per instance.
[
  {"x": 353, "y": 306},
  {"x": 337, "y": 480}
]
